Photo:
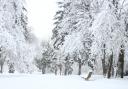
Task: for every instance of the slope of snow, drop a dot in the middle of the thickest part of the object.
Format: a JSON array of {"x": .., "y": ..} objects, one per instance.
[{"x": 22, "y": 81}]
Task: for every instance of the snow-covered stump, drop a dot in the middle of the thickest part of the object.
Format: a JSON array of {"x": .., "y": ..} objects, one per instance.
[{"x": 89, "y": 75}]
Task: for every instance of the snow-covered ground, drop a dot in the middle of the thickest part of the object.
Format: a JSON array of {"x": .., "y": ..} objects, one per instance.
[{"x": 36, "y": 81}]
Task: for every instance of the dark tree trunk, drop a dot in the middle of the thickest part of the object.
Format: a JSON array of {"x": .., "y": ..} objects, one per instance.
[
  {"x": 55, "y": 70},
  {"x": 121, "y": 63},
  {"x": 1, "y": 68},
  {"x": 104, "y": 67},
  {"x": 79, "y": 73},
  {"x": 66, "y": 71},
  {"x": 44, "y": 69},
  {"x": 110, "y": 66},
  {"x": 103, "y": 62},
  {"x": 60, "y": 68},
  {"x": 2, "y": 64},
  {"x": 80, "y": 66}
]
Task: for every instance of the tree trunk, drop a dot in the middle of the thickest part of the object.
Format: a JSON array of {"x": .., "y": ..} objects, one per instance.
[
  {"x": 121, "y": 63},
  {"x": 44, "y": 69},
  {"x": 1, "y": 68},
  {"x": 110, "y": 66},
  {"x": 55, "y": 70},
  {"x": 65, "y": 72},
  {"x": 103, "y": 62},
  {"x": 66, "y": 69},
  {"x": 80, "y": 66},
  {"x": 104, "y": 67}
]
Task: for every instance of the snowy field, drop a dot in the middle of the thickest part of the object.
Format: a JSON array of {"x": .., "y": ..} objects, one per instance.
[{"x": 22, "y": 81}]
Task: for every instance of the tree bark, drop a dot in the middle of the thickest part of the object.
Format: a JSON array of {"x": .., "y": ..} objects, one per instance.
[
  {"x": 66, "y": 71},
  {"x": 44, "y": 69},
  {"x": 110, "y": 66},
  {"x": 121, "y": 63},
  {"x": 103, "y": 62},
  {"x": 56, "y": 70},
  {"x": 80, "y": 66},
  {"x": 1, "y": 68}
]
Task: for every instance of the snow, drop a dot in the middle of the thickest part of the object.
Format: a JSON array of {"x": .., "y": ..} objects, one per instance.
[{"x": 49, "y": 81}]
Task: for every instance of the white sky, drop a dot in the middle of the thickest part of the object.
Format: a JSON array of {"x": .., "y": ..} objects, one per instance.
[{"x": 41, "y": 13}]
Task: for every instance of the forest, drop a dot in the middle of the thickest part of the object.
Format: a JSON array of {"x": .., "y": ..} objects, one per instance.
[{"x": 89, "y": 36}]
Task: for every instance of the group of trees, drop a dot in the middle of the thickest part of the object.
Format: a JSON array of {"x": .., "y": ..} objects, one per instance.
[
  {"x": 88, "y": 34},
  {"x": 93, "y": 33},
  {"x": 16, "y": 40}
]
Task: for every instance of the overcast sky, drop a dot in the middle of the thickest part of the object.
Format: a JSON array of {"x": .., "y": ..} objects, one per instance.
[{"x": 41, "y": 13}]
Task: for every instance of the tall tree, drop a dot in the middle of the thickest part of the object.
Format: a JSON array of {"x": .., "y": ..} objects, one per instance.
[{"x": 13, "y": 32}]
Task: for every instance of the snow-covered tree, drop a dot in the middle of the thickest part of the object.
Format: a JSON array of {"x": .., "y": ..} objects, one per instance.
[
  {"x": 95, "y": 30},
  {"x": 44, "y": 59},
  {"x": 110, "y": 40},
  {"x": 14, "y": 32},
  {"x": 73, "y": 32}
]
